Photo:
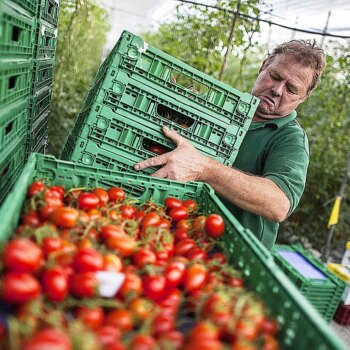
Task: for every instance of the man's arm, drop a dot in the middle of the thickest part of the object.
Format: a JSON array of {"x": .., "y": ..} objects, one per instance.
[{"x": 252, "y": 193}]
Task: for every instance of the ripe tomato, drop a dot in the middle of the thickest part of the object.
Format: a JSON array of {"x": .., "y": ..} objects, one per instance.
[
  {"x": 116, "y": 194},
  {"x": 87, "y": 201},
  {"x": 163, "y": 323},
  {"x": 172, "y": 202},
  {"x": 124, "y": 245},
  {"x": 143, "y": 256},
  {"x": 269, "y": 326},
  {"x": 180, "y": 234},
  {"x": 111, "y": 230},
  {"x": 195, "y": 277},
  {"x": 121, "y": 319},
  {"x": 154, "y": 286},
  {"x": 22, "y": 255},
  {"x": 107, "y": 335},
  {"x": 157, "y": 149},
  {"x": 142, "y": 342},
  {"x": 87, "y": 260},
  {"x": 173, "y": 339},
  {"x": 34, "y": 188},
  {"x": 196, "y": 254},
  {"x": 171, "y": 301},
  {"x": 83, "y": 285},
  {"x": 55, "y": 283},
  {"x": 151, "y": 219},
  {"x": 184, "y": 246},
  {"x": 204, "y": 330},
  {"x": 51, "y": 244},
  {"x": 127, "y": 211},
  {"x": 20, "y": 287},
  {"x": 178, "y": 213},
  {"x": 31, "y": 218},
  {"x": 57, "y": 190},
  {"x": 131, "y": 285},
  {"x": 219, "y": 258},
  {"x": 65, "y": 217},
  {"x": 198, "y": 223},
  {"x": 91, "y": 317},
  {"x": 174, "y": 273},
  {"x": 190, "y": 204},
  {"x": 102, "y": 195},
  {"x": 48, "y": 338},
  {"x": 214, "y": 225}
]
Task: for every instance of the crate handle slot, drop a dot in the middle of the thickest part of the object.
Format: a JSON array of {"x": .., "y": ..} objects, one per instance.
[
  {"x": 9, "y": 127},
  {"x": 188, "y": 83},
  {"x": 174, "y": 116},
  {"x": 154, "y": 147},
  {"x": 12, "y": 82},
  {"x": 16, "y": 33}
]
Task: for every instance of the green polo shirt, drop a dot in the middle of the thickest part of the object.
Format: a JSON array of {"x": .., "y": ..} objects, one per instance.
[{"x": 277, "y": 150}]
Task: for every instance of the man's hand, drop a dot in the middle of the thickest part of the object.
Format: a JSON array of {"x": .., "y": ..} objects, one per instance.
[{"x": 184, "y": 163}]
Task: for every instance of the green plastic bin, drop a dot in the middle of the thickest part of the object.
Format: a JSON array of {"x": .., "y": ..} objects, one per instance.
[
  {"x": 321, "y": 287},
  {"x": 301, "y": 326}
]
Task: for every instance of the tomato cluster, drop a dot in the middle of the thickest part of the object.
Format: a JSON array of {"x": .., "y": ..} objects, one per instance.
[{"x": 178, "y": 292}]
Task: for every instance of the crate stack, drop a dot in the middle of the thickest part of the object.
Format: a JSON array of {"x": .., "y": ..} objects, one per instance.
[
  {"x": 43, "y": 66},
  {"x": 137, "y": 90},
  {"x": 320, "y": 286},
  {"x": 28, "y": 37},
  {"x": 17, "y": 44}
]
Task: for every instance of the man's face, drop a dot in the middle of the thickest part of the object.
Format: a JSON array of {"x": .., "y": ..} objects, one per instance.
[{"x": 281, "y": 85}]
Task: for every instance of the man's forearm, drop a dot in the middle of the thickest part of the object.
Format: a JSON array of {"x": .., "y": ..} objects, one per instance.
[{"x": 252, "y": 193}]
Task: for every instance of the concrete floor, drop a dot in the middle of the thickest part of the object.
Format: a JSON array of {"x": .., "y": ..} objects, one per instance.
[{"x": 343, "y": 332}]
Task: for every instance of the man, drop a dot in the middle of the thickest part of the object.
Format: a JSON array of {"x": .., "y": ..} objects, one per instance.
[{"x": 268, "y": 177}]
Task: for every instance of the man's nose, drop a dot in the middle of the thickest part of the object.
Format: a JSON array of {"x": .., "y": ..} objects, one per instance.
[{"x": 277, "y": 88}]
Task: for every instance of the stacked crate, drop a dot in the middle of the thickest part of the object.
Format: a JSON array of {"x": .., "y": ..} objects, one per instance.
[
  {"x": 17, "y": 44},
  {"x": 320, "y": 286},
  {"x": 139, "y": 89},
  {"x": 44, "y": 60}
]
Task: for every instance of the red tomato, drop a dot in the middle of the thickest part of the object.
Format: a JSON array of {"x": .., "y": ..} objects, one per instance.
[
  {"x": 139, "y": 216},
  {"x": 143, "y": 256},
  {"x": 157, "y": 149},
  {"x": 88, "y": 260},
  {"x": 131, "y": 285},
  {"x": 195, "y": 277},
  {"x": 180, "y": 234},
  {"x": 198, "y": 223},
  {"x": 183, "y": 224},
  {"x": 116, "y": 194},
  {"x": 172, "y": 339},
  {"x": 142, "y": 342},
  {"x": 178, "y": 213},
  {"x": 204, "y": 330},
  {"x": 154, "y": 286},
  {"x": 55, "y": 283},
  {"x": 127, "y": 211},
  {"x": 102, "y": 196},
  {"x": 184, "y": 246},
  {"x": 163, "y": 323},
  {"x": 65, "y": 217},
  {"x": 196, "y": 254},
  {"x": 57, "y": 190},
  {"x": 51, "y": 244},
  {"x": 31, "y": 218},
  {"x": 269, "y": 326},
  {"x": 22, "y": 255},
  {"x": 107, "y": 335},
  {"x": 121, "y": 319},
  {"x": 20, "y": 287},
  {"x": 88, "y": 201},
  {"x": 190, "y": 204},
  {"x": 174, "y": 273},
  {"x": 34, "y": 188},
  {"x": 219, "y": 258},
  {"x": 171, "y": 202},
  {"x": 124, "y": 245},
  {"x": 83, "y": 285},
  {"x": 48, "y": 338},
  {"x": 91, "y": 317},
  {"x": 141, "y": 308},
  {"x": 214, "y": 225},
  {"x": 151, "y": 219},
  {"x": 171, "y": 301},
  {"x": 164, "y": 223},
  {"x": 112, "y": 231}
]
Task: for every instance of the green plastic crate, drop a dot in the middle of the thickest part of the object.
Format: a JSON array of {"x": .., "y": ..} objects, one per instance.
[
  {"x": 42, "y": 74},
  {"x": 323, "y": 290},
  {"x": 15, "y": 81},
  {"x": 39, "y": 104},
  {"x": 136, "y": 85},
  {"x": 11, "y": 166},
  {"x": 38, "y": 134},
  {"x": 17, "y": 32},
  {"x": 13, "y": 126},
  {"x": 30, "y": 5},
  {"x": 49, "y": 11},
  {"x": 301, "y": 325},
  {"x": 46, "y": 40}
]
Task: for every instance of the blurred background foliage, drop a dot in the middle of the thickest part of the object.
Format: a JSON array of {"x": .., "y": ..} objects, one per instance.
[{"x": 200, "y": 37}]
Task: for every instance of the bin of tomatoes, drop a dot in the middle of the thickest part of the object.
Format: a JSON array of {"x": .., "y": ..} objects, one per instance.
[{"x": 168, "y": 282}]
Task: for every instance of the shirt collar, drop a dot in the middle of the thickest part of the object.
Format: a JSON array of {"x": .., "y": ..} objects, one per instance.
[{"x": 277, "y": 123}]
